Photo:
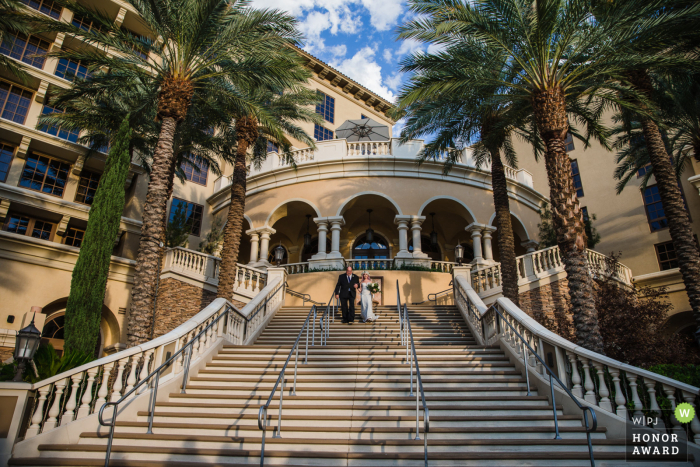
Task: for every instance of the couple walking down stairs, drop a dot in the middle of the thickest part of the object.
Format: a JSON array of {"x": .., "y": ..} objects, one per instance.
[{"x": 352, "y": 406}]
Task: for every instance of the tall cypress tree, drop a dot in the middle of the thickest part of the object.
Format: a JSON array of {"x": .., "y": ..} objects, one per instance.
[{"x": 89, "y": 282}]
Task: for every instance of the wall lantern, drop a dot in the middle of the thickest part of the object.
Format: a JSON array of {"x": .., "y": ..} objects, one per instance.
[
  {"x": 26, "y": 343},
  {"x": 279, "y": 254},
  {"x": 369, "y": 233},
  {"x": 459, "y": 251},
  {"x": 433, "y": 234}
]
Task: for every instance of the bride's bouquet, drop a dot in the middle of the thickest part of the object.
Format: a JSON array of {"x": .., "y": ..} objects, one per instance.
[{"x": 374, "y": 288}]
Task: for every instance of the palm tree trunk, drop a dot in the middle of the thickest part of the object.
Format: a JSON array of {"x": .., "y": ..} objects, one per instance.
[
  {"x": 140, "y": 322},
  {"x": 673, "y": 204},
  {"x": 506, "y": 241},
  {"x": 550, "y": 115},
  {"x": 234, "y": 224}
]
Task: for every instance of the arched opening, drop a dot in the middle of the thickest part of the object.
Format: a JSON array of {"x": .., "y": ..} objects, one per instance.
[
  {"x": 432, "y": 250},
  {"x": 53, "y": 333},
  {"x": 378, "y": 248},
  {"x": 448, "y": 218},
  {"x": 520, "y": 236},
  {"x": 312, "y": 249},
  {"x": 291, "y": 223}
]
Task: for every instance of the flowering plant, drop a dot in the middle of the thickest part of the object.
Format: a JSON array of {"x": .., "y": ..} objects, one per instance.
[{"x": 374, "y": 288}]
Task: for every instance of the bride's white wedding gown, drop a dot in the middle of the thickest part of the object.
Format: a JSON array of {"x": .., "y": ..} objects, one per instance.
[{"x": 366, "y": 302}]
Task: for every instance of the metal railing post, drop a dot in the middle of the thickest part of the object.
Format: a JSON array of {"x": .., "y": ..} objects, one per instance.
[
  {"x": 296, "y": 362},
  {"x": 279, "y": 411},
  {"x": 188, "y": 356},
  {"x": 152, "y": 408},
  {"x": 313, "y": 330},
  {"x": 554, "y": 409},
  {"x": 527, "y": 371}
]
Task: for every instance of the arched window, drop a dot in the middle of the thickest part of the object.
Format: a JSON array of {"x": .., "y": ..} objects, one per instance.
[
  {"x": 377, "y": 249},
  {"x": 433, "y": 251},
  {"x": 53, "y": 333},
  {"x": 312, "y": 249},
  {"x": 271, "y": 256}
]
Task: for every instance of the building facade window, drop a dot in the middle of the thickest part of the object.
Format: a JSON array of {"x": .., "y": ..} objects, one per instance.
[
  {"x": 584, "y": 211},
  {"x": 68, "y": 135},
  {"x": 28, "y": 49},
  {"x": 136, "y": 48},
  {"x": 74, "y": 237},
  {"x": 47, "y": 7},
  {"x": 6, "y": 154},
  {"x": 18, "y": 224},
  {"x": 87, "y": 187},
  {"x": 643, "y": 171},
  {"x": 272, "y": 147},
  {"x": 569, "y": 142},
  {"x": 363, "y": 249},
  {"x": 42, "y": 230},
  {"x": 45, "y": 174},
  {"x": 666, "y": 255},
  {"x": 193, "y": 214},
  {"x": 576, "y": 175},
  {"x": 70, "y": 69},
  {"x": 321, "y": 133},
  {"x": 196, "y": 171},
  {"x": 15, "y": 102},
  {"x": 654, "y": 208},
  {"x": 363, "y": 116},
  {"x": 326, "y": 108},
  {"x": 84, "y": 24}
]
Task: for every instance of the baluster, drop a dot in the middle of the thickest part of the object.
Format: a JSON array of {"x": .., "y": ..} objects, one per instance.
[
  {"x": 632, "y": 380},
  {"x": 588, "y": 383},
  {"x": 256, "y": 288},
  {"x": 694, "y": 423},
  {"x": 603, "y": 391},
  {"x": 195, "y": 345},
  {"x": 671, "y": 396},
  {"x": 72, "y": 400},
  {"x": 576, "y": 390},
  {"x": 620, "y": 398},
  {"x": 38, "y": 416},
  {"x": 540, "y": 352},
  {"x": 118, "y": 383},
  {"x": 84, "y": 409},
  {"x": 104, "y": 388},
  {"x": 180, "y": 362},
  {"x": 55, "y": 410},
  {"x": 653, "y": 404},
  {"x": 144, "y": 369},
  {"x": 235, "y": 278},
  {"x": 131, "y": 379}
]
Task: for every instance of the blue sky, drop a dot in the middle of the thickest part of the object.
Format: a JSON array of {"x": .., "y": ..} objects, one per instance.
[{"x": 355, "y": 36}]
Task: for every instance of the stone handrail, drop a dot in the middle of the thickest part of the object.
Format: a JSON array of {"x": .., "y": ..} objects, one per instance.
[
  {"x": 296, "y": 268},
  {"x": 80, "y": 392},
  {"x": 205, "y": 268},
  {"x": 299, "y": 155},
  {"x": 607, "y": 385}
]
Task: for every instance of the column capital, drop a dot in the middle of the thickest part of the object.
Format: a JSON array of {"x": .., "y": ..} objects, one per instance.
[
  {"x": 530, "y": 245},
  {"x": 475, "y": 227},
  {"x": 253, "y": 233},
  {"x": 336, "y": 221},
  {"x": 488, "y": 230},
  {"x": 261, "y": 231},
  {"x": 406, "y": 218},
  {"x": 321, "y": 221}
]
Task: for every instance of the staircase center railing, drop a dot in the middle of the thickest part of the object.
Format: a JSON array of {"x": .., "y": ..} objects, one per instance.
[
  {"x": 154, "y": 376},
  {"x": 432, "y": 297},
  {"x": 304, "y": 296},
  {"x": 411, "y": 359},
  {"x": 262, "y": 413}
]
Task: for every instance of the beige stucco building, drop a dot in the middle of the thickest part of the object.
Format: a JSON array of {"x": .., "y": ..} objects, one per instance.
[{"x": 317, "y": 212}]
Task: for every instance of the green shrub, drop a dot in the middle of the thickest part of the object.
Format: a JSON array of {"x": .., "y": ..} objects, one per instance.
[
  {"x": 49, "y": 364},
  {"x": 688, "y": 374}
]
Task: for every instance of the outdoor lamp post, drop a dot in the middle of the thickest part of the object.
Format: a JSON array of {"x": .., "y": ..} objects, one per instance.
[
  {"x": 459, "y": 251},
  {"x": 279, "y": 254},
  {"x": 26, "y": 343},
  {"x": 369, "y": 233}
]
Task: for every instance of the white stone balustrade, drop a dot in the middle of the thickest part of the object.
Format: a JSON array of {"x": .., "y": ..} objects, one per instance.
[
  {"x": 204, "y": 268},
  {"x": 369, "y": 148},
  {"x": 607, "y": 385},
  {"x": 442, "y": 266},
  {"x": 88, "y": 387},
  {"x": 486, "y": 278},
  {"x": 359, "y": 265}
]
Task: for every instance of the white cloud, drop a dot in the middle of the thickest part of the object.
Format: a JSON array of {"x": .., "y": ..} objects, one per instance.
[
  {"x": 338, "y": 51},
  {"x": 394, "y": 81},
  {"x": 409, "y": 46},
  {"x": 312, "y": 27},
  {"x": 383, "y": 13},
  {"x": 365, "y": 70},
  {"x": 387, "y": 55},
  {"x": 435, "y": 48}
]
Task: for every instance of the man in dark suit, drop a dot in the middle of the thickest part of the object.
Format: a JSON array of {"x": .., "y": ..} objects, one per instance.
[{"x": 346, "y": 290}]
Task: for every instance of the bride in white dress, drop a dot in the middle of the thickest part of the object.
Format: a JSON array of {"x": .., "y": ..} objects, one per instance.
[{"x": 366, "y": 299}]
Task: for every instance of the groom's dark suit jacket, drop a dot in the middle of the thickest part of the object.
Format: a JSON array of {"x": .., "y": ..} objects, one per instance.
[{"x": 347, "y": 289}]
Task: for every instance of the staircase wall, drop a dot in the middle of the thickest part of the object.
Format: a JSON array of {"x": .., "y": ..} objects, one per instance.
[
  {"x": 179, "y": 301},
  {"x": 414, "y": 286}
]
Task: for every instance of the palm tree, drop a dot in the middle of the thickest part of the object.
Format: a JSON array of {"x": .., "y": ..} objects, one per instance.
[
  {"x": 441, "y": 100},
  {"x": 276, "y": 119},
  {"x": 13, "y": 19},
  {"x": 201, "y": 48},
  {"x": 561, "y": 60},
  {"x": 675, "y": 45}
]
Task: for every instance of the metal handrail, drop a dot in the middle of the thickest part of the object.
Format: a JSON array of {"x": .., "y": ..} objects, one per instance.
[
  {"x": 304, "y": 296},
  {"x": 419, "y": 385},
  {"x": 552, "y": 377},
  {"x": 151, "y": 409},
  {"x": 435, "y": 295},
  {"x": 262, "y": 413}
]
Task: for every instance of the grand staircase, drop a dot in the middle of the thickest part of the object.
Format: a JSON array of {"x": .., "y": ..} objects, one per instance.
[{"x": 352, "y": 406}]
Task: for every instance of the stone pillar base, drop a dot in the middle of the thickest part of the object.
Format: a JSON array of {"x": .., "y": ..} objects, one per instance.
[{"x": 333, "y": 264}]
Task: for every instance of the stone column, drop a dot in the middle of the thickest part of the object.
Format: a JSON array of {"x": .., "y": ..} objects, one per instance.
[
  {"x": 254, "y": 245},
  {"x": 402, "y": 223},
  {"x": 415, "y": 231},
  {"x": 334, "y": 259},
  {"x": 322, "y": 236},
  {"x": 488, "y": 247},
  {"x": 530, "y": 246},
  {"x": 475, "y": 230},
  {"x": 264, "y": 233},
  {"x": 264, "y": 245}
]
